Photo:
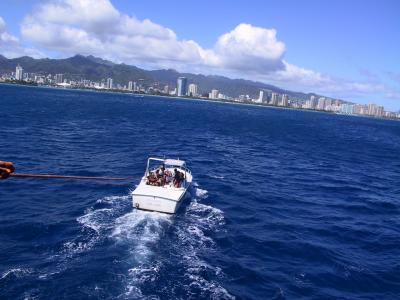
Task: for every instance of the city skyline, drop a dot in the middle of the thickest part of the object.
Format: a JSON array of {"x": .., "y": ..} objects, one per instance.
[
  {"x": 332, "y": 49},
  {"x": 184, "y": 89}
]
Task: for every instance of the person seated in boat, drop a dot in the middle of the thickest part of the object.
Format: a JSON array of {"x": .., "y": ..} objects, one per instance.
[
  {"x": 162, "y": 170},
  {"x": 160, "y": 177},
  {"x": 178, "y": 178},
  {"x": 151, "y": 179},
  {"x": 6, "y": 168}
]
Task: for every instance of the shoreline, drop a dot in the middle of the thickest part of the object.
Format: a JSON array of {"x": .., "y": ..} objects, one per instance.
[{"x": 140, "y": 95}]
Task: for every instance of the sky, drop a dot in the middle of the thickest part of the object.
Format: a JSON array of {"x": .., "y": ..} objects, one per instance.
[{"x": 341, "y": 49}]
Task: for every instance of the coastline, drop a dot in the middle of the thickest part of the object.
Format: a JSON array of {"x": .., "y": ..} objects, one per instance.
[{"x": 142, "y": 95}]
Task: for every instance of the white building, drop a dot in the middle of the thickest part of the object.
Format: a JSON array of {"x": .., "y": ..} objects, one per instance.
[
  {"x": 347, "y": 109},
  {"x": 109, "y": 83},
  {"x": 313, "y": 102},
  {"x": 214, "y": 94},
  {"x": 380, "y": 111},
  {"x": 285, "y": 100},
  {"x": 19, "y": 73},
  {"x": 328, "y": 104},
  {"x": 193, "y": 90},
  {"x": 261, "y": 98},
  {"x": 130, "y": 85},
  {"x": 274, "y": 98},
  {"x": 321, "y": 103},
  {"x": 59, "y": 78},
  {"x": 166, "y": 89}
]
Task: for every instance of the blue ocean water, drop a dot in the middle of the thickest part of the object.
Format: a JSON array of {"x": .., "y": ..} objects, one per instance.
[{"x": 287, "y": 204}]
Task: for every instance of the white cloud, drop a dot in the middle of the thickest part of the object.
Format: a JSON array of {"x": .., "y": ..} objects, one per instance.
[
  {"x": 247, "y": 48},
  {"x": 96, "y": 27},
  {"x": 10, "y": 45}
]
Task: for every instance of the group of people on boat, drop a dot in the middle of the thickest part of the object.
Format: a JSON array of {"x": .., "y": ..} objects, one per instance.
[{"x": 161, "y": 177}]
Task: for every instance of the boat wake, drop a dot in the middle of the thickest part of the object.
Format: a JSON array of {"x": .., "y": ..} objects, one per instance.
[
  {"x": 167, "y": 252},
  {"x": 157, "y": 253}
]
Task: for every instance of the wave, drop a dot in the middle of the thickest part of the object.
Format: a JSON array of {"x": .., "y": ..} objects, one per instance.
[
  {"x": 15, "y": 272},
  {"x": 200, "y": 193}
]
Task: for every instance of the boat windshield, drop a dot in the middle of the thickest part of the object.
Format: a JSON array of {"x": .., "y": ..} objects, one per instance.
[{"x": 155, "y": 163}]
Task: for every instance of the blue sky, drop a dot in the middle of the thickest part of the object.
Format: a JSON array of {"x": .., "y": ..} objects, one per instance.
[{"x": 345, "y": 49}]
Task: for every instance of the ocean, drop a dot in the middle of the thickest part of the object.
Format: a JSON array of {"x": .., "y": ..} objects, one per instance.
[{"x": 287, "y": 204}]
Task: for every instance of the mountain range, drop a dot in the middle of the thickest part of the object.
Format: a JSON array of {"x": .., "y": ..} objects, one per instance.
[{"x": 96, "y": 69}]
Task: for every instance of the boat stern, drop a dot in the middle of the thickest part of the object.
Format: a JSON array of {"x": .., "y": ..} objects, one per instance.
[{"x": 154, "y": 203}]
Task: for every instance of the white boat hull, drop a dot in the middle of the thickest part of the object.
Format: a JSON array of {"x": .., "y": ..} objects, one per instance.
[
  {"x": 155, "y": 203},
  {"x": 165, "y": 199}
]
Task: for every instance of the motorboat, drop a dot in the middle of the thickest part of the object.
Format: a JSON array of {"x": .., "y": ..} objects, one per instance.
[{"x": 164, "y": 186}]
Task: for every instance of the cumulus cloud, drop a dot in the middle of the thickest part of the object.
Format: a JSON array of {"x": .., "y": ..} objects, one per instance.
[
  {"x": 10, "y": 45},
  {"x": 96, "y": 27},
  {"x": 247, "y": 48}
]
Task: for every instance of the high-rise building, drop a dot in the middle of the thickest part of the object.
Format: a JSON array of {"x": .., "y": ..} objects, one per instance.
[
  {"x": 19, "y": 73},
  {"x": 321, "y": 103},
  {"x": 130, "y": 85},
  {"x": 214, "y": 94},
  {"x": 313, "y": 102},
  {"x": 328, "y": 104},
  {"x": 274, "y": 98},
  {"x": 261, "y": 97},
  {"x": 380, "y": 111},
  {"x": 59, "y": 78},
  {"x": 285, "y": 100},
  {"x": 181, "y": 86},
  {"x": 347, "y": 108},
  {"x": 362, "y": 109},
  {"x": 374, "y": 110},
  {"x": 109, "y": 83},
  {"x": 166, "y": 89},
  {"x": 193, "y": 90}
]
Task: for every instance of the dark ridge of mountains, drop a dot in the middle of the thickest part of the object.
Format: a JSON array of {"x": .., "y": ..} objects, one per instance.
[{"x": 96, "y": 69}]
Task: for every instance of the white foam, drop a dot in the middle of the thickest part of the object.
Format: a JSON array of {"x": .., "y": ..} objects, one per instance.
[
  {"x": 200, "y": 193},
  {"x": 95, "y": 219},
  {"x": 98, "y": 221},
  {"x": 77, "y": 247},
  {"x": 113, "y": 199},
  {"x": 140, "y": 230},
  {"x": 217, "y": 176},
  {"x": 207, "y": 287},
  {"x": 102, "y": 219},
  {"x": 193, "y": 240},
  {"x": 144, "y": 274},
  {"x": 17, "y": 272},
  {"x": 208, "y": 216}
]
